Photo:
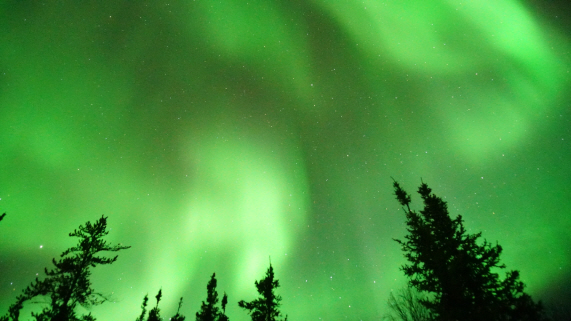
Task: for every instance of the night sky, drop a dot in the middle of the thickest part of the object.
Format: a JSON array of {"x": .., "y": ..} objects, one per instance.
[{"x": 215, "y": 135}]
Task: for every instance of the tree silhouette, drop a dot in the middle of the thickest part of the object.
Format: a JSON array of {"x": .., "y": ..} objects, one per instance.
[
  {"x": 265, "y": 308},
  {"x": 447, "y": 262},
  {"x": 68, "y": 284},
  {"x": 143, "y": 308},
  {"x": 407, "y": 306},
  {"x": 208, "y": 310},
  {"x": 155, "y": 313},
  {"x": 223, "y": 316},
  {"x": 178, "y": 316}
]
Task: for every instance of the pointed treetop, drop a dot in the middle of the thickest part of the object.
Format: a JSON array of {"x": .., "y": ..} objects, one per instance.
[
  {"x": 401, "y": 194},
  {"x": 68, "y": 284},
  {"x": 266, "y": 307}
]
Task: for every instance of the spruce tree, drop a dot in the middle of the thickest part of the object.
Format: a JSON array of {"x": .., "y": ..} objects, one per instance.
[
  {"x": 68, "y": 284},
  {"x": 459, "y": 272},
  {"x": 155, "y": 313},
  {"x": 143, "y": 308},
  {"x": 223, "y": 316},
  {"x": 266, "y": 307},
  {"x": 209, "y": 311}
]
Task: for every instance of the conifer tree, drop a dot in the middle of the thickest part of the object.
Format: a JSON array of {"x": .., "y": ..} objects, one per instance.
[
  {"x": 459, "y": 273},
  {"x": 209, "y": 311},
  {"x": 143, "y": 308},
  {"x": 68, "y": 284},
  {"x": 266, "y": 307},
  {"x": 155, "y": 313},
  {"x": 223, "y": 316}
]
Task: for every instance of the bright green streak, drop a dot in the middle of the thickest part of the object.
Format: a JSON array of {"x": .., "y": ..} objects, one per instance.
[
  {"x": 216, "y": 135},
  {"x": 471, "y": 44}
]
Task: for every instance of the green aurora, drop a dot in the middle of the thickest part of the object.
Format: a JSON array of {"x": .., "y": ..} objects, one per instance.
[{"x": 217, "y": 134}]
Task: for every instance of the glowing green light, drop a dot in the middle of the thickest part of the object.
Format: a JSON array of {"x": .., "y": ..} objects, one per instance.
[{"x": 215, "y": 135}]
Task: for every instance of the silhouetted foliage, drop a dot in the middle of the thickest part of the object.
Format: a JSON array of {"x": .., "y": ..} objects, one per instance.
[
  {"x": 2, "y": 216},
  {"x": 223, "y": 316},
  {"x": 178, "y": 316},
  {"x": 407, "y": 306},
  {"x": 447, "y": 262},
  {"x": 143, "y": 308},
  {"x": 208, "y": 310},
  {"x": 155, "y": 313},
  {"x": 68, "y": 284},
  {"x": 265, "y": 308}
]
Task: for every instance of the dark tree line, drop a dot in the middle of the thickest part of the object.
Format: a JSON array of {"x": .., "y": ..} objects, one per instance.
[
  {"x": 68, "y": 285},
  {"x": 452, "y": 276}
]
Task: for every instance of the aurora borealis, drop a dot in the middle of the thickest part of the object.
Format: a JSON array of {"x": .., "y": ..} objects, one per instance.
[{"x": 215, "y": 135}]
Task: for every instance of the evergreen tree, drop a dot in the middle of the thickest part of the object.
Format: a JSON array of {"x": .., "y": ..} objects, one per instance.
[
  {"x": 209, "y": 311},
  {"x": 68, "y": 284},
  {"x": 155, "y": 313},
  {"x": 143, "y": 308},
  {"x": 447, "y": 262},
  {"x": 265, "y": 308},
  {"x": 223, "y": 316}
]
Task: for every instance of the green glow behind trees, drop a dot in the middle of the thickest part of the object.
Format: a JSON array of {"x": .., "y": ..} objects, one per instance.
[
  {"x": 448, "y": 263},
  {"x": 68, "y": 284},
  {"x": 209, "y": 311},
  {"x": 266, "y": 307},
  {"x": 276, "y": 124}
]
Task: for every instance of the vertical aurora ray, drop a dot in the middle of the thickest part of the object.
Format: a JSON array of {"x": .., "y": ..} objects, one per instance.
[{"x": 214, "y": 136}]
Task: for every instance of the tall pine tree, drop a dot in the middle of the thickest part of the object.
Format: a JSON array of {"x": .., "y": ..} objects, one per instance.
[
  {"x": 459, "y": 272},
  {"x": 266, "y": 307}
]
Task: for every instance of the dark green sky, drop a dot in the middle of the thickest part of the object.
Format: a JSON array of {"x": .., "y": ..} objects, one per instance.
[{"x": 214, "y": 135}]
